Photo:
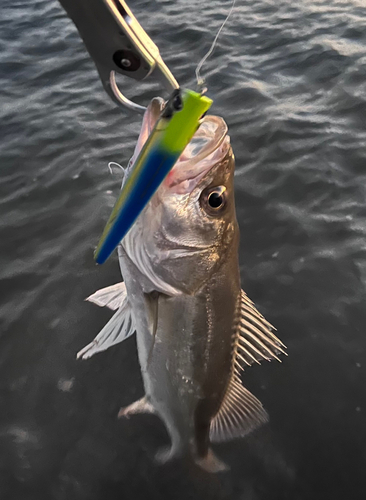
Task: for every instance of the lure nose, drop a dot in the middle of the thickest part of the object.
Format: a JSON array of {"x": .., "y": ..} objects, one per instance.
[{"x": 172, "y": 132}]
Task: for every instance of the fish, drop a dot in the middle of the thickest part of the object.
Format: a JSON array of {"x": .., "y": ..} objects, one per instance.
[{"x": 196, "y": 329}]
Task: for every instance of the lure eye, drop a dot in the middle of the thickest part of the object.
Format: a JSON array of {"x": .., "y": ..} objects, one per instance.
[
  {"x": 174, "y": 104},
  {"x": 213, "y": 200},
  {"x": 177, "y": 103}
]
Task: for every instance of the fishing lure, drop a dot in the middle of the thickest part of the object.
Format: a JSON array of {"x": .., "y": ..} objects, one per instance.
[
  {"x": 118, "y": 44},
  {"x": 173, "y": 131}
]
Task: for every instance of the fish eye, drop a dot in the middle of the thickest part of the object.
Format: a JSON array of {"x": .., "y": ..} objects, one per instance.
[{"x": 213, "y": 200}]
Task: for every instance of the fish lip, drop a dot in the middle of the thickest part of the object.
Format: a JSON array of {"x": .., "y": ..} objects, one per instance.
[
  {"x": 149, "y": 120},
  {"x": 219, "y": 136},
  {"x": 187, "y": 173},
  {"x": 153, "y": 114}
]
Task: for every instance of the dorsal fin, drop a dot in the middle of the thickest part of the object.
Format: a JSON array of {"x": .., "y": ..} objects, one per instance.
[
  {"x": 254, "y": 337},
  {"x": 239, "y": 414},
  {"x": 112, "y": 296}
]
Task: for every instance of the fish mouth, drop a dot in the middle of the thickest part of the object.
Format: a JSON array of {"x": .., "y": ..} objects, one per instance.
[
  {"x": 151, "y": 116},
  {"x": 207, "y": 148}
]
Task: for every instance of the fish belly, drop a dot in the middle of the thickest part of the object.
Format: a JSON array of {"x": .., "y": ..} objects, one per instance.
[{"x": 186, "y": 366}]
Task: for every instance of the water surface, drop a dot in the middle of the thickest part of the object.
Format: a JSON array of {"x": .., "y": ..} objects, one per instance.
[{"x": 290, "y": 80}]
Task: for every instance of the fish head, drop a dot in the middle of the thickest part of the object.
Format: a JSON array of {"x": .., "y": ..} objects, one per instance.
[{"x": 189, "y": 226}]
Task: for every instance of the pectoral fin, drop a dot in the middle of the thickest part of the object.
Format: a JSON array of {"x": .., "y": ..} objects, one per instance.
[
  {"x": 112, "y": 296},
  {"x": 152, "y": 306},
  {"x": 239, "y": 414},
  {"x": 119, "y": 327}
]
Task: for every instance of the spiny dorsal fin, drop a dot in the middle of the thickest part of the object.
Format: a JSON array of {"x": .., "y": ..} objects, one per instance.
[
  {"x": 239, "y": 414},
  {"x": 254, "y": 338},
  {"x": 112, "y": 296},
  {"x": 118, "y": 328}
]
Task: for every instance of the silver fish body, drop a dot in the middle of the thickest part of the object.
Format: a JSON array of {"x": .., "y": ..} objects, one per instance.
[
  {"x": 195, "y": 327},
  {"x": 185, "y": 351}
]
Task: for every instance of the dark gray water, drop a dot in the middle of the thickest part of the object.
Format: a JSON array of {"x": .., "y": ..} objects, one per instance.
[{"x": 290, "y": 80}]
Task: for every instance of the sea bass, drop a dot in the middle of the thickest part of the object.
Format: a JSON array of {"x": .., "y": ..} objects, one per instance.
[{"x": 196, "y": 329}]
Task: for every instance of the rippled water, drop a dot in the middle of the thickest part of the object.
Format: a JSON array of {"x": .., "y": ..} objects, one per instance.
[{"x": 290, "y": 80}]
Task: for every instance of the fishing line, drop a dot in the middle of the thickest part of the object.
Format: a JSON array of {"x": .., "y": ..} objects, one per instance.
[
  {"x": 200, "y": 80},
  {"x": 117, "y": 165}
]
